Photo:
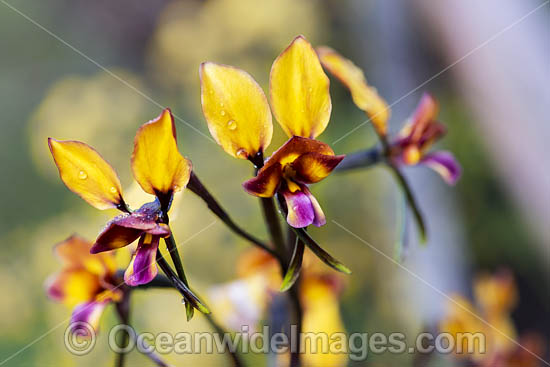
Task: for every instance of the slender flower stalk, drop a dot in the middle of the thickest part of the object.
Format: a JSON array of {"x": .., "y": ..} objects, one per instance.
[
  {"x": 197, "y": 187},
  {"x": 361, "y": 159},
  {"x": 123, "y": 312}
]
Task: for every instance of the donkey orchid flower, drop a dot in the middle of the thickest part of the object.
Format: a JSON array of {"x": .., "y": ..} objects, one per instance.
[
  {"x": 420, "y": 132},
  {"x": 412, "y": 143},
  {"x": 159, "y": 169},
  {"x": 496, "y": 296},
  {"x": 239, "y": 119},
  {"x": 246, "y": 300},
  {"x": 86, "y": 282}
]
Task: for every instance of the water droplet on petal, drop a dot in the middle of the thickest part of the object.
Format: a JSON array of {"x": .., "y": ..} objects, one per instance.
[
  {"x": 183, "y": 301},
  {"x": 175, "y": 188},
  {"x": 221, "y": 104},
  {"x": 310, "y": 89},
  {"x": 222, "y": 112},
  {"x": 232, "y": 125},
  {"x": 82, "y": 175},
  {"x": 241, "y": 153},
  {"x": 113, "y": 190}
]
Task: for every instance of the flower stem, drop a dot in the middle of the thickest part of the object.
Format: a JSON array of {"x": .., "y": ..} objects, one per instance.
[
  {"x": 406, "y": 188},
  {"x": 275, "y": 232},
  {"x": 197, "y": 187},
  {"x": 221, "y": 331},
  {"x": 285, "y": 252},
  {"x": 188, "y": 295},
  {"x": 161, "y": 281},
  {"x": 123, "y": 311},
  {"x": 360, "y": 159}
]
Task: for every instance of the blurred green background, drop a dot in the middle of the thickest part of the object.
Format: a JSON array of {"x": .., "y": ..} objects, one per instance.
[{"x": 95, "y": 71}]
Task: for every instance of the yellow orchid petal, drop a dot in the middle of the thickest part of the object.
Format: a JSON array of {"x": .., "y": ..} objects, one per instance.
[
  {"x": 364, "y": 96},
  {"x": 158, "y": 166},
  {"x": 86, "y": 173},
  {"x": 299, "y": 91},
  {"x": 236, "y": 110}
]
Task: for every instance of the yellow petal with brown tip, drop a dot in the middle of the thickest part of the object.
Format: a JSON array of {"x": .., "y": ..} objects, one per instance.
[
  {"x": 86, "y": 173},
  {"x": 364, "y": 96},
  {"x": 236, "y": 110},
  {"x": 158, "y": 166},
  {"x": 299, "y": 90}
]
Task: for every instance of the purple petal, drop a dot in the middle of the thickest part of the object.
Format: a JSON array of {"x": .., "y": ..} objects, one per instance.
[
  {"x": 445, "y": 164},
  {"x": 143, "y": 267},
  {"x": 300, "y": 211},
  {"x": 86, "y": 313},
  {"x": 319, "y": 219}
]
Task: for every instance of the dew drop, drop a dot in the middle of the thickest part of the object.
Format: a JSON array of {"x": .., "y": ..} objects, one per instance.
[
  {"x": 232, "y": 125},
  {"x": 183, "y": 301},
  {"x": 222, "y": 112},
  {"x": 113, "y": 190},
  {"x": 221, "y": 104},
  {"x": 82, "y": 175},
  {"x": 241, "y": 153},
  {"x": 310, "y": 90},
  {"x": 175, "y": 188}
]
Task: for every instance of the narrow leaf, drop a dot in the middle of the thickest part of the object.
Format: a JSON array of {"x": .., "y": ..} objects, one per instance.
[
  {"x": 321, "y": 254},
  {"x": 294, "y": 267}
]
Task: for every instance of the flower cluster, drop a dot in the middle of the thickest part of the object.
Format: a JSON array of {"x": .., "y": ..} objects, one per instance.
[
  {"x": 495, "y": 297},
  {"x": 239, "y": 117},
  {"x": 159, "y": 169}
]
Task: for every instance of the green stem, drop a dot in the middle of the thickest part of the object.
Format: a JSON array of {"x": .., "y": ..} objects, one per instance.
[
  {"x": 176, "y": 259},
  {"x": 406, "y": 188},
  {"x": 188, "y": 295}
]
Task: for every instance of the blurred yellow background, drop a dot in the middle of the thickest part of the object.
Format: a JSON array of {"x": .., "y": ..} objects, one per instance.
[{"x": 107, "y": 67}]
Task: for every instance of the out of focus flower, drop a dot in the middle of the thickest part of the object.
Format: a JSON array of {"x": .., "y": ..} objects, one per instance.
[
  {"x": 159, "y": 169},
  {"x": 239, "y": 119},
  {"x": 495, "y": 297},
  {"x": 411, "y": 145},
  {"x": 86, "y": 282},
  {"x": 247, "y": 300}
]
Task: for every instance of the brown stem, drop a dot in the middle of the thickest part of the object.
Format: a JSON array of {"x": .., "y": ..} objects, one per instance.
[
  {"x": 123, "y": 311},
  {"x": 285, "y": 252},
  {"x": 197, "y": 187}
]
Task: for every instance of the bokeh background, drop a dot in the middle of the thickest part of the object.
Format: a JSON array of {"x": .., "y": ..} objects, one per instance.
[{"x": 94, "y": 71}]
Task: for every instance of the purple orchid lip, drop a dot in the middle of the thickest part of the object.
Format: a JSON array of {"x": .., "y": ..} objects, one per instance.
[
  {"x": 445, "y": 164},
  {"x": 303, "y": 208},
  {"x": 143, "y": 267},
  {"x": 86, "y": 313}
]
